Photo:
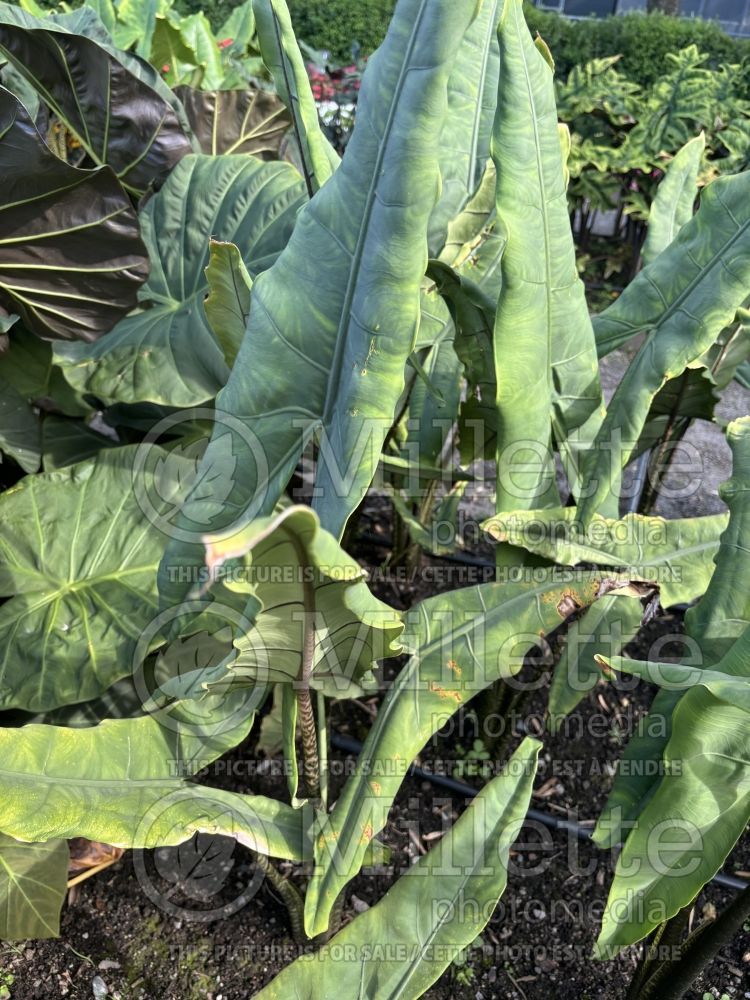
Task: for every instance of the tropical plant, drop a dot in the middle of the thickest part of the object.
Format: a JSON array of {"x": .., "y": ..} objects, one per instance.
[{"x": 401, "y": 312}]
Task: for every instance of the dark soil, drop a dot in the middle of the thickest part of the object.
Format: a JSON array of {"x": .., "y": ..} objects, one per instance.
[{"x": 127, "y": 932}]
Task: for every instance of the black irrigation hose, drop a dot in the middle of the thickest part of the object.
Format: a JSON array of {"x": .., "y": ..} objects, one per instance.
[{"x": 349, "y": 745}]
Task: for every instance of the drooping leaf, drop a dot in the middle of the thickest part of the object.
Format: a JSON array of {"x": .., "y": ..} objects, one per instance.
[
  {"x": 674, "y": 200},
  {"x": 166, "y": 352},
  {"x": 461, "y": 643},
  {"x": 125, "y": 782},
  {"x": 717, "y": 619},
  {"x": 236, "y": 121},
  {"x": 433, "y": 912},
  {"x": 681, "y": 302},
  {"x": 114, "y": 105},
  {"x": 330, "y": 359},
  {"x": 196, "y": 30},
  {"x": 548, "y": 391},
  {"x": 306, "y": 587},
  {"x": 701, "y": 786},
  {"x": 33, "y": 883},
  {"x": 703, "y": 799},
  {"x": 71, "y": 257},
  {"x": 473, "y": 314},
  {"x": 433, "y": 404},
  {"x": 228, "y": 303},
  {"x": 78, "y": 558},
  {"x": 677, "y": 555},
  {"x": 690, "y": 396},
  {"x": 239, "y": 27},
  {"x": 281, "y": 54}
]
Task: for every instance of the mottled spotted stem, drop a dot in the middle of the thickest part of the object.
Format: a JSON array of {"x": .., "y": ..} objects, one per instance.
[
  {"x": 290, "y": 895},
  {"x": 310, "y": 759}
]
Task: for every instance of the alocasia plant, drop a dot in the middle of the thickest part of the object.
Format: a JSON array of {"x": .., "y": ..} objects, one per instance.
[{"x": 342, "y": 307}]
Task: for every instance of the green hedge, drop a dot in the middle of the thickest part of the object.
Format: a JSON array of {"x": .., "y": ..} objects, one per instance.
[
  {"x": 643, "y": 41},
  {"x": 335, "y": 24}
]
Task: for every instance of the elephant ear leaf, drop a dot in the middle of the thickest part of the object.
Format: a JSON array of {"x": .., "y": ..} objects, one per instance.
[
  {"x": 305, "y": 585},
  {"x": 166, "y": 352},
  {"x": 699, "y": 791},
  {"x": 465, "y": 143},
  {"x": 345, "y": 339},
  {"x": 673, "y": 203},
  {"x": 115, "y": 105},
  {"x": 82, "y": 219},
  {"x": 681, "y": 302},
  {"x": 548, "y": 387},
  {"x": 433, "y": 912},
  {"x": 236, "y": 121},
  {"x": 461, "y": 643},
  {"x": 282, "y": 56},
  {"x": 33, "y": 883},
  {"x": 78, "y": 605}
]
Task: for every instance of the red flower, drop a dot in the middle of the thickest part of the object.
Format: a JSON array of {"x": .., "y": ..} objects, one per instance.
[
  {"x": 165, "y": 68},
  {"x": 225, "y": 43}
]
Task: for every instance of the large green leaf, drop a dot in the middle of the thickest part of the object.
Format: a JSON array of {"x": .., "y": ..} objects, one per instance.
[
  {"x": 701, "y": 790},
  {"x": 239, "y": 27},
  {"x": 465, "y": 142},
  {"x": 78, "y": 559},
  {"x": 399, "y": 947},
  {"x": 71, "y": 256},
  {"x": 196, "y": 30},
  {"x": 703, "y": 800},
  {"x": 170, "y": 51},
  {"x": 282, "y": 56},
  {"x": 716, "y": 621},
  {"x": 166, "y": 352},
  {"x": 675, "y": 198},
  {"x": 115, "y": 106},
  {"x": 33, "y": 883},
  {"x": 680, "y": 302},
  {"x": 124, "y": 781},
  {"x": 236, "y": 121},
  {"x": 334, "y": 320},
  {"x": 461, "y": 642},
  {"x": 676, "y": 555},
  {"x": 548, "y": 391},
  {"x": 135, "y": 21},
  {"x": 305, "y": 585}
]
